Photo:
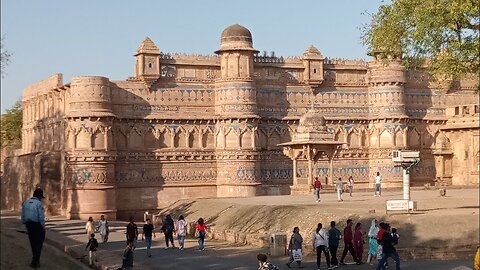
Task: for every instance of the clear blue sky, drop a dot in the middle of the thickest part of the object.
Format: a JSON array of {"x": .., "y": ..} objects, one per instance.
[{"x": 92, "y": 37}]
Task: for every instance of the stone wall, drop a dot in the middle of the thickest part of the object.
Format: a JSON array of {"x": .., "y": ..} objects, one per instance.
[{"x": 26, "y": 172}]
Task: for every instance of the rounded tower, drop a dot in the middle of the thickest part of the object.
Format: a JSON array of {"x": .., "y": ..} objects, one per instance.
[
  {"x": 386, "y": 94},
  {"x": 386, "y": 84},
  {"x": 90, "y": 96},
  {"x": 235, "y": 92},
  {"x": 236, "y": 113},
  {"x": 90, "y": 154}
]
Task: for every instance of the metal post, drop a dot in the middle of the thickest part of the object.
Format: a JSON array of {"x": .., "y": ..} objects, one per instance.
[{"x": 406, "y": 184}]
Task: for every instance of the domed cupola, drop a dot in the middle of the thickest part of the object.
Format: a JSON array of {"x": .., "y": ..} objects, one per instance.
[
  {"x": 312, "y": 126},
  {"x": 236, "y": 37}
]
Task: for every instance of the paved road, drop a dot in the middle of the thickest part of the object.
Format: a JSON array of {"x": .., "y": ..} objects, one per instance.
[
  {"x": 217, "y": 256},
  {"x": 16, "y": 254},
  {"x": 221, "y": 256}
]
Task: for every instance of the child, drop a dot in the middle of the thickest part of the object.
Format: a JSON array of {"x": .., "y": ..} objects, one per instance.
[
  {"x": 263, "y": 264},
  {"x": 395, "y": 236},
  {"x": 92, "y": 247},
  {"x": 127, "y": 262}
]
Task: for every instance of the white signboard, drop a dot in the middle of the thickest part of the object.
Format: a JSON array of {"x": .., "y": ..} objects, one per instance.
[{"x": 400, "y": 205}]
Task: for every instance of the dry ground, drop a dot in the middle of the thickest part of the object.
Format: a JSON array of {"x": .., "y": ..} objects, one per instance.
[{"x": 440, "y": 222}]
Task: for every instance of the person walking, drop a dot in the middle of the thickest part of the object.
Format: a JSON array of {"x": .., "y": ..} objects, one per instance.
[
  {"x": 317, "y": 185},
  {"x": 127, "y": 259},
  {"x": 348, "y": 241},
  {"x": 378, "y": 185},
  {"x": 33, "y": 216},
  {"x": 103, "y": 228},
  {"x": 147, "y": 233},
  {"x": 295, "y": 245},
  {"x": 320, "y": 244},
  {"x": 358, "y": 241},
  {"x": 339, "y": 187},
  {"x": 168, "y": 229},
  {"x": 372, "y": 241},
  {"x": 92, "y": 246},
  {"x": 200, "y": 232},
  {"x": 334, "y": 236},
  {"x": 350, "y": 185},
  {"x": 89, "y": 227},
  {"x": 383, "y": 228},
  {"x": 389, "y": 250},
  {"x": 132, "y": 232},
  {"x": 181, "y": 228}
]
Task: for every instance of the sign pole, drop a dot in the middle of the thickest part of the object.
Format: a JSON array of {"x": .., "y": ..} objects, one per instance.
[{"x": 406, "y": 184}]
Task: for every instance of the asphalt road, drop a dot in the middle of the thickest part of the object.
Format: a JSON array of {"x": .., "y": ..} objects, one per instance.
[
  {"x": 16, "y": 254},
  {"x": 15, "y": 251}
]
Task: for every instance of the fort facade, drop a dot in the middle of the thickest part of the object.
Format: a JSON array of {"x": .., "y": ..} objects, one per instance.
[{"x": 188, "y": 126}]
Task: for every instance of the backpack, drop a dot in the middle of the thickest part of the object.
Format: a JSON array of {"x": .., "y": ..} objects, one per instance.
[
  {"x": 95, "y": 244},
  {"x": 270, "y": 266}
]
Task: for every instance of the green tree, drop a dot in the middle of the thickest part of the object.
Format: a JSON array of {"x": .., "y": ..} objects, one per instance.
[
  {"x": 443, "y": 34},
  {"x": 11, "y": 126}
]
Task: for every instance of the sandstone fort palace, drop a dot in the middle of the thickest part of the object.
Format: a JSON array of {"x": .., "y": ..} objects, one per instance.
[{"x": 190, "y": 126}]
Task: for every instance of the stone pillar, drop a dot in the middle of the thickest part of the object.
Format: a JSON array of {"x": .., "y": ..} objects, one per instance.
[
  {"x": 310, "y": 172},
  {"x": 295, "y": 180}
]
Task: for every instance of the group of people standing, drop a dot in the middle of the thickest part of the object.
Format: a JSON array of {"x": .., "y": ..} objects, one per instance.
[
  {"x": 381, "y": 243},
  {"x": 340, "y": 187}
]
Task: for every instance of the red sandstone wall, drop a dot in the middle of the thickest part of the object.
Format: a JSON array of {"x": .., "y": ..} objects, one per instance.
[{"x": 23, "y": 173}]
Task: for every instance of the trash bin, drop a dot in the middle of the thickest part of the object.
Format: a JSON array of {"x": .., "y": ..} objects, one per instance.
[{"x": 278, "y": 244}]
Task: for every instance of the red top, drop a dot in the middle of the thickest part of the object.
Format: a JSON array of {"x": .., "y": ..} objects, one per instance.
[
  {"x": 201, "y": 227},
  {"x": 347, "y": 234},
  {"x": 317, "y": 184},
  {"x": 380, "y": 234},
  {"x": 358, "y": 238}
]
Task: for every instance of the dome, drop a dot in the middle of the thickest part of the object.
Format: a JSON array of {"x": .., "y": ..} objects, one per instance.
[
  {"x": 236, "y": 32},
  {"x": 312, "y": 121},
  {"x": 236, "y": 37},
  {"x": 311, "y": 118}
]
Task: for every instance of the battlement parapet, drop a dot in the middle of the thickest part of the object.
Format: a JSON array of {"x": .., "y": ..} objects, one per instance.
[
  {"x": 345, "y": 62},
  {"x": 43, "y": 86}
]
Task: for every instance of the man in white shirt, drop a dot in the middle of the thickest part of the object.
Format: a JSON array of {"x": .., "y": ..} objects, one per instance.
[
  {"x": 339, "y": 186},
  {"x": 378, "y": 185},
  {"x": 320, "y": 244}
]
